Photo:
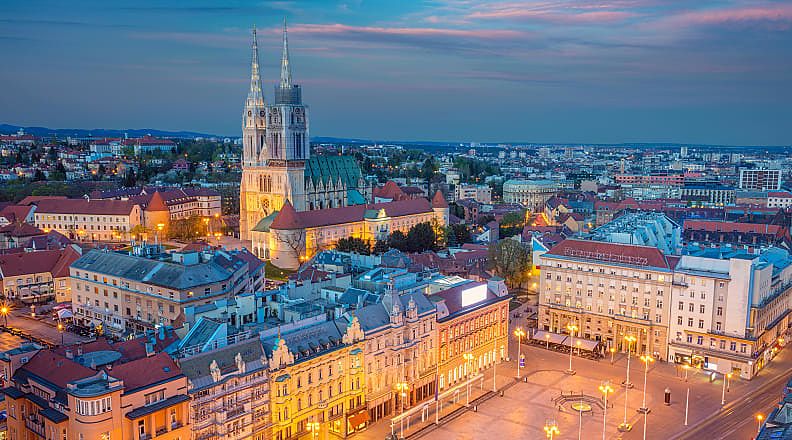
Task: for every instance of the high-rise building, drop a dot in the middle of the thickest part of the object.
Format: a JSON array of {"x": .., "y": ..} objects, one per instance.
[
  {"x": 276, "y": 158},
  {"x": 760, "y": 179}
]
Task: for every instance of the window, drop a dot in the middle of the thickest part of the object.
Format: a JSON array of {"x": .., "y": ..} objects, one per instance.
[
  {"x": 155, "y": 397},
  {"x": 701, "y": 323},
  {"x": 681, "y": 305},
  {"x": 690, "y": 322},
  {"x": 701, "y": 308},
  {"x": 700, "y": 340},
  {"x": 93, "y": 407},
  {"x": 679, "y": 320},
  {"x": 691, "y": 307},
  {"x": 733, "y": 346},
  {"x": 719, "y": 311}
]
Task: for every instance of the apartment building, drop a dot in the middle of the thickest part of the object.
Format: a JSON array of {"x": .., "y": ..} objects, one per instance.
[
  {"x": 479, "y": 193},
  {"x": 88, "y": 220},
  {"x": 730, "y": 308},
  {"x": 760, "y": 179},
  {"x": 317, "y": 377},
  {"x": 228, "y": 382},
  {"x": 533, "y": 194},
  {"x": 608, "y": 291},
  {"x": 39, "y": 276},
  {"x": 128, "y": 292},
  {"x": 129, "y": 390},
  {"x": 400, "y": 347},
  {"x": 472, "y": 318},
  {"x": 180, "y": 202}
]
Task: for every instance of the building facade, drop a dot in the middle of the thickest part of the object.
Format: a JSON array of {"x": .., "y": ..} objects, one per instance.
[
  {"x": 276, "y": 157},
  {"x": 88, "y": 220},
  {"x": 607, "y": 290},
  {"x": 317, "y": 376},
  {"x": 40, "y": 276},
  {"x": 531, "y": 193},
  {"x": 131, "y": 292},
  {"x": 760, "y": 179}
]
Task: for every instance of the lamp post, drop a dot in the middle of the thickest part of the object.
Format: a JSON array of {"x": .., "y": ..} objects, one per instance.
[
  {"x": 624, "y": 426},
  {"x": 468, "y": 358},
  {"x": 519, "y": 332},
  {"x": 572, "y": 329},
  {"x": 759, "y": 418},
  {"x": 60, "y": 330},
  {"x": 547, "y": 338},
  {"x": 605, "y": 388},
  {"x": 612, "y": 351},
  {"x": 551, "y": 429},
  {"x": 647, "y": 359},
  {"x": 402, "y": 388},
  {"x": 726, "y": 377},
  {"x": 313, "y": 428},
  {"x": 5, "y": 310}
]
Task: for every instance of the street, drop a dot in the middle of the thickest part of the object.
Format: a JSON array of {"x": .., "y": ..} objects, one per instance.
[{"x": 42, "y": 327}]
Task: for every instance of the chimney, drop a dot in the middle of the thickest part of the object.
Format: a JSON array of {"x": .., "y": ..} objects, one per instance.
[{"x": 69, "y": 354}]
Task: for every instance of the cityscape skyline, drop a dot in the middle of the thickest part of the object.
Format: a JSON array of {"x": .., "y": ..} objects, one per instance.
[{"x": 627, "y": 71}]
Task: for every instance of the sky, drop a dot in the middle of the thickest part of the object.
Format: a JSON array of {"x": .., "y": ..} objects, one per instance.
[{"x": 609, "y": 71}]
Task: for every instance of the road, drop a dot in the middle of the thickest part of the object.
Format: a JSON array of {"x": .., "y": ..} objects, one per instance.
[
  {"x": 43, "y": 328},
  {"x": 737, "y": 420}
]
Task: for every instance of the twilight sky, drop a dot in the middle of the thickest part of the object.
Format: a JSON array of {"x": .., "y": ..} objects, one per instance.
[{"x": 699, "y": 71}]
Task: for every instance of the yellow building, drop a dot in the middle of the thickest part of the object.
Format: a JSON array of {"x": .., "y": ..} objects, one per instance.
[
  {"x": 472, "y": 319},
  {"x": 87, "y": 219},
  {"x": 317, "y": 381},
  {"x": 289, "y": 237},
  {"x": 38, "y": 276}
]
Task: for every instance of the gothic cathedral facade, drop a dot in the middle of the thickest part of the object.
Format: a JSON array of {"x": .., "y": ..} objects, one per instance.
[{"x": 276, "y": 157}]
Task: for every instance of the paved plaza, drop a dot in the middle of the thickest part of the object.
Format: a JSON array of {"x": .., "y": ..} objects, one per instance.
[{"x": 526, "y": 407}]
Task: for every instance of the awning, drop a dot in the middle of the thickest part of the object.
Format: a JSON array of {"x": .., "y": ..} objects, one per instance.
[
  {"x": 65, "y": 313},
  {"x": 361, "y": 418},
  {"x": 544, "y": 336},
  {"x": 583, "y": 344}
]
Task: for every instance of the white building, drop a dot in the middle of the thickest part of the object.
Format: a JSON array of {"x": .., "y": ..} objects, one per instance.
[
  {"x": 760, "y": 179},
  {"x": 779, "y": 199},
  {"x": 729, "y": 309},
  {"x": 531, "y": 193},
  {"x": 479, "y": 193}
]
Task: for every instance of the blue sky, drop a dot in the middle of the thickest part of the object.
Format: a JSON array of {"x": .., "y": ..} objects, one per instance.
[{"x": 697, "y": 71}]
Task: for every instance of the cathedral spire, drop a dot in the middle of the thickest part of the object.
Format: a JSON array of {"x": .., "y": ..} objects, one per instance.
[
  {"x": 255, "y": 93},
  {"x": 286, "y": 76}
]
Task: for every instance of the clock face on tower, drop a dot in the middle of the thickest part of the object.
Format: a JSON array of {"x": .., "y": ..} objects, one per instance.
[{"x": 261, "y": 113}]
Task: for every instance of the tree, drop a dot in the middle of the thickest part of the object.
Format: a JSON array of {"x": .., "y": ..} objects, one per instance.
[
  {"x": 458, "y": 234},
  {"x": 39, "y": 176},
  {"x": 421, "y": 237},
  {"x": 353, "y": 244},
  {"x": 511, "y": 260},
  {"x": 428, "y": 168},
  {"x": 512, "y": 223},
  {"x": 380, "y": 247},
  {"x": 398, "y": 240}
]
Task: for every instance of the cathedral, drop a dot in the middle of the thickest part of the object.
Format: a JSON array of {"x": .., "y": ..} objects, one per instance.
[{"x": 276, "y": 157}]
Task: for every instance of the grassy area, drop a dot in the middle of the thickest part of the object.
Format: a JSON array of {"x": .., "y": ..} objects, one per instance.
[{"x": 275, "y": 273}]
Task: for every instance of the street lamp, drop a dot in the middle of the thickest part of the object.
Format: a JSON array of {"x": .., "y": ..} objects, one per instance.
[
  {"x": 625, "y": 426},
  {"x": 519, "y": 332},
  {"x": 551, "y": 429},
  {"x": 402, "y": 388},
  {"x": 647, "y": 359},
  {"x": 612, "y": 351},
  {"x": 313, "y": 428},
  {"x": 605, "y": 388},
  {"x": 726, "y": 377},
  {"x": 547, "y": 338},
  {"x": 572, "y": 329},
  {"x": 61, "y": 329},
  {"x": 759, "y": 418},
  {"x": 687, "y": 393},
  {"x": 468, "y": 357},
  {"x": 5, "y": 310}
]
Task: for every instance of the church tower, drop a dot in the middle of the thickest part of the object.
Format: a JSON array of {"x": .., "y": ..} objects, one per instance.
[
  {"x": 254, "y": 126},
  {"x": 288, "y": 147}
]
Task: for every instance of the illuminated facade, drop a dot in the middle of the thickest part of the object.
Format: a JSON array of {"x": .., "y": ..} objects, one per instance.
[
  {"x": 472, "y": 318},
  {"x": 317, "y": 377}
]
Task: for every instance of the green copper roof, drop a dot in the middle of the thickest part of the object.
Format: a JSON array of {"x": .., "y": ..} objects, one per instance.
[
  {"x": 264, "y": 224},
  {"x": 355, "y": 198},
  {"x": 326, "y": 168}
]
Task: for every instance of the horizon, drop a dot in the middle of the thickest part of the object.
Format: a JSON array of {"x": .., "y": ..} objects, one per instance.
[{"x": 626, "y": 72}]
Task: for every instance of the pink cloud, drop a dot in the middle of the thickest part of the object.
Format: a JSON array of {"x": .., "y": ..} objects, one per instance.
[
  {"x": 778, "y": 16},
  {"x": 342, "y": 29},
  {"x": 562, "y": 12}
]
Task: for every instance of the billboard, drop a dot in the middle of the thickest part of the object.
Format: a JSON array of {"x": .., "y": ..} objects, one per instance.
[{"x": 474, "y": 295}]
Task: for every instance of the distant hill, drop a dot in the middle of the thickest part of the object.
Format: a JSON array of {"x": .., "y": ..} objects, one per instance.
[{"x": 102, "y": 132}]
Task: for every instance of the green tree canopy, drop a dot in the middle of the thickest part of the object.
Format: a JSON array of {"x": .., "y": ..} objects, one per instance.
[
  {"x": 511, "y": 260},
  {"x": 353, "y": 244}
]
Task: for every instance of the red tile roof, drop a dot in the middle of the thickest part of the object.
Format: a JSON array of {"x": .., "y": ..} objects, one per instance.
[
  {"x": 51, "y": 261},
  {"x": 84, "y": 206},
  {"x": 17, "y": 229},
  {"x": 438, "y": 201},
  {"x": 389, "y": 191},
  {"x": 34, "y": 199},
  {"x": 745, "y": 228},
  {"x": 156, "y": 203},
  {"x": 146, "y": 371},
  {"x": 46, "y": 362},
  {"x": 610, "y": 252},
  {"x": 288, "y": 218},
  {"x": 16, "y": 213}
]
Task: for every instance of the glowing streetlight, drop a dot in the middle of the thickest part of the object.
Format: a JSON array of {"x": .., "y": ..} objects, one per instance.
[
  {"x": 612, "y": 352},
  {"x": 61, "y": 328},
  {"x": 5, "y": 310},
  {"x": 572, "y": 329},
  {"x": 687, "y": 393},
  {"x": 519, "y": 332},
  {"x": 759, "y": 418},
  {"x": 402, "y": 388},
  {"x": 547, "y": 338},
  {"x": 313, "y": 428},
  {"x": 646, "y": 359},
  {"x": 468, "y": 357},
  {"x": 551, "y": 429},
  {"x": 605, "y": 388},
  {"x": 726, "y": 377},
  {"x": 625, "y": 426}
]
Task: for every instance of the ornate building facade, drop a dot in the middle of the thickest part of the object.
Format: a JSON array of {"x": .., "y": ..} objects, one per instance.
[{"x": 276, "y": 156}]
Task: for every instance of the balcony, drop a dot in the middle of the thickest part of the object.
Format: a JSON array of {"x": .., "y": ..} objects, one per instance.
[{"x": 35, "y": 425}]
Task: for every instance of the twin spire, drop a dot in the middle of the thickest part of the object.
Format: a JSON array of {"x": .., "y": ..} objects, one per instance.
[{"x": 285, "y": 75}]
